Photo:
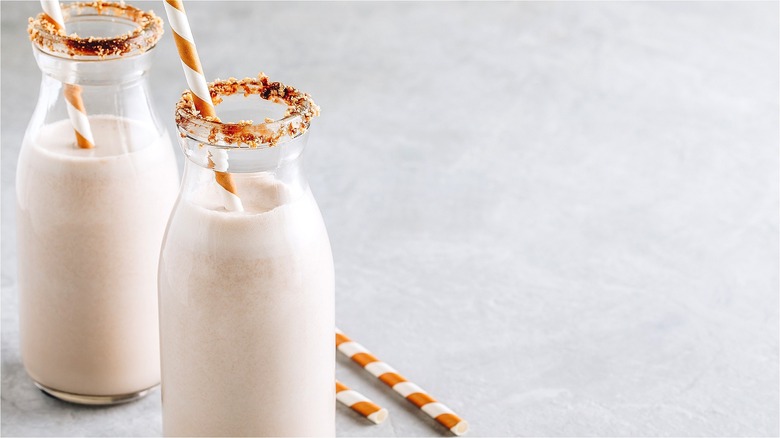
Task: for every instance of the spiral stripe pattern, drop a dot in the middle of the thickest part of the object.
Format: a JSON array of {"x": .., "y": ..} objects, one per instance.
[
  {"x": 360, "y": 403},
  {"x": 73, "y": 102},
  {"x": 196, "y": 80},
  {"x": 190, "y": 62},
  {"x": 78, "y": 116},
  {"x": 390, "y": 377}
]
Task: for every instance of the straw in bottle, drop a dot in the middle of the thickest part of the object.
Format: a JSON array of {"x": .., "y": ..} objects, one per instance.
[
  {"x": 75, "y": 104},
  {"x": 196, "y": 80},
  {"x": 390, "y": 377}
]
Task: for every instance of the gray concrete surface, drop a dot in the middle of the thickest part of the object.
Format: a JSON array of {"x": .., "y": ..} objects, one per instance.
[{"x": 558, "y": 218}]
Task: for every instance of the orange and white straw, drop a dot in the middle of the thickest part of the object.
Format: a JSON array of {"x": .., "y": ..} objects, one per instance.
[
  {"x": 78, "y": 116},
  {"x": 54, "y": 13},
  {"x": 390, "y": 377},
  {"x": 75, "y": 104},
  {"x": 196, "y": 80},
  {"x": 360, "y": 403}
]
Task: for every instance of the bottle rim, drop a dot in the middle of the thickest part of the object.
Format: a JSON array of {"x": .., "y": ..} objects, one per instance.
[
  {"x": 52, "y": 40},
  {"x": 246, "y": 134}
]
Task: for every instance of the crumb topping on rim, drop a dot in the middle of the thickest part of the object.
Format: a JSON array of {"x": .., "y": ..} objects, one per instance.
[
  {"x": 51, "y": 39},
  {"x": 245, "y": 133}
]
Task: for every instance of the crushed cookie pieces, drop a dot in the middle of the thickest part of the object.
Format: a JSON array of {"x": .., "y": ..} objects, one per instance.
[
  {"x": 49, "y": 38},
  {"x": 296, "y": 119}
]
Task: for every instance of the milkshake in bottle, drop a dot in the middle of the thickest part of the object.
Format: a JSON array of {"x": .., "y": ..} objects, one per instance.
[
  {"x": 247, "y": 297},
  {"x": 92, "y": 208}
]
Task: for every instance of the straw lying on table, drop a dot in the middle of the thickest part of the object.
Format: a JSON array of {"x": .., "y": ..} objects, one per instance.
[
  {"x": 76, "y": 111},
  {"x": 390, "y": 377},
  {"x": 359, "y": 403},
  {"x": 196, "y": 80}
]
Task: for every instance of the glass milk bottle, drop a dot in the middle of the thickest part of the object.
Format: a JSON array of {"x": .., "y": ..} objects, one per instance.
[
  {"x": 90, "y": 221},
  {"x": 247, "y": 297}
]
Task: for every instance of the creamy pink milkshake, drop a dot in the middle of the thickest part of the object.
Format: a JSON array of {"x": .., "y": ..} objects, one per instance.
[
  {"x": 96, "y": 179},
  {"x": 90, "y": 225},
  {"x": 246, "y": 277},
  {"x": 247, "y": 308}
]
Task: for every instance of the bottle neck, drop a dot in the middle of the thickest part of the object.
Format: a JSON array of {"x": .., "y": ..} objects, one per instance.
[
  {"x": 94, "y": 71},
  {"x": 261, "y": 175},
  {"x": 114, "y": 91}
]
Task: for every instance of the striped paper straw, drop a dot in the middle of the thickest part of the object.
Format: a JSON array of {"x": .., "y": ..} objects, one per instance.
[
  {"x": 73, "y": 101},
  {"x": 360, "y": 403},
  {"x": 53, "y": 12},
  {"x": 78, "y": 116},
  {"x": 390, "y": 377},
  {"x": 196, "y": 80}
]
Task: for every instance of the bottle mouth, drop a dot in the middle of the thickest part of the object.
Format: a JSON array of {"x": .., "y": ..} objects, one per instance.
[
  {"x": 247, "y": 134},
  {"x": 97, "y": 31}
]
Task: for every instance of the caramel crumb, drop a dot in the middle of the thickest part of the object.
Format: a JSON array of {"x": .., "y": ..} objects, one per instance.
[
  {"x": 47, "y": 36},
  {"x": 300, "y": 110}
]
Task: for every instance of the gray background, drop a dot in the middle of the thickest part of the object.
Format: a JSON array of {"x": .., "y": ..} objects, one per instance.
[{"x": 558, "y": 218}]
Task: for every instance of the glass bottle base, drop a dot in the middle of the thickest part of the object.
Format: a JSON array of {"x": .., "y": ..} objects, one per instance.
[{"x": 94, "y": 400}]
